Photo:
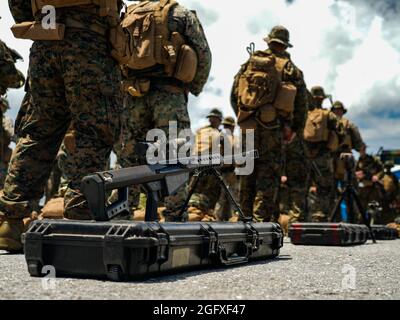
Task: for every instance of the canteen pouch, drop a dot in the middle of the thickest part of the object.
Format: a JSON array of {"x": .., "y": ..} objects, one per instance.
[
  {"x": 284, "y": 101},
  {"x": 186, "y": 66},
  {"x": 34, "y": 31}
]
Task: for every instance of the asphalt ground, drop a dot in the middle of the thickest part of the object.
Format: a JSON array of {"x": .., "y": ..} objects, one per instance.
[{"x": 370, "y": 271}]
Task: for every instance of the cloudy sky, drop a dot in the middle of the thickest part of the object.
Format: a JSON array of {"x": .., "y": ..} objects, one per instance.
[{"x": 351, "y": 47}]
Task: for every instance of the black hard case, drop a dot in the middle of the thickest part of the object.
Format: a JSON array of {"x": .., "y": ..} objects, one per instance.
[
  {"x": 129, "y": 250},
  {"x": 328, "y": 234},
  {"x": 384, "y": 233}
]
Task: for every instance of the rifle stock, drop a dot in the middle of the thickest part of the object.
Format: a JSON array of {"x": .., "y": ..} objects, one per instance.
[{"x": 159, "y": 181}]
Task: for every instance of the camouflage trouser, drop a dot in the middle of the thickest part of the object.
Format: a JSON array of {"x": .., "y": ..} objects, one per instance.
[
  {"x": 294, "y": 202},
  {"x": 224, "y": 208},
  {"x": 259, "y": 192},
  {"x": 325, "y": 183},
  {"x": 155, "y": 110},
  {"x": 74, "y": 81},
  {"x": 53, "y": 183}
]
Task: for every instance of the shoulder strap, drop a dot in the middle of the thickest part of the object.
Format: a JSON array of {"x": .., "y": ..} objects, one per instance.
[
  {"x": 281, "y": 63},
  {"x": 162, "y": 31}
]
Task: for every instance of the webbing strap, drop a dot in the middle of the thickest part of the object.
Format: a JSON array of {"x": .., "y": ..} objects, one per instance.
[
  {"x": 162, "y": 30},
  {"x": 280, "y": 65}
]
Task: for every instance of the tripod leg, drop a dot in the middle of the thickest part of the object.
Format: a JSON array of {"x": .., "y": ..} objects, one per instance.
[
  {"x": 335, "y": 211},
  {"x": 363, "y": 213},
  {"x": 218, "y": 175},
  {"x": 350, "y": 207}
]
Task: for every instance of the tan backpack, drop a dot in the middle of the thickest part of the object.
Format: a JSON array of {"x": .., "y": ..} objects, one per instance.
[
  {"x": 260, "y": 85},
  {"x": 316, "y": 128},
  {"x": 106, "y": 7},
  {"x": 143, "y": 40}
]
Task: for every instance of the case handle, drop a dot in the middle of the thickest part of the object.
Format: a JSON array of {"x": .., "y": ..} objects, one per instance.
[{"x": 229, "y": 261}]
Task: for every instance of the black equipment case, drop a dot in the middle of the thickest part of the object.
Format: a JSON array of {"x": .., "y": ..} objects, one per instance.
[
  {"x": 123, "y": 250},
  {"x": 328, "y": 234},
  {"x": 384, "y": 233}
]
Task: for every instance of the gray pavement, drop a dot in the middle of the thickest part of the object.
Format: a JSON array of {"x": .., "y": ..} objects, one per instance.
[{"x": 361, "y": 272}]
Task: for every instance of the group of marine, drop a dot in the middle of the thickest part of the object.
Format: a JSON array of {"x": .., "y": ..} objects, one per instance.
[{"x": 99, "y": 80}]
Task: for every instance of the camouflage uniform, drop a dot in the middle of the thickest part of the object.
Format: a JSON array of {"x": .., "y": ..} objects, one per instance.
[
  {"x": 10, "y": 76},
  {"x": 224, "y": 209},
  {"x": 321, "y": 157},
  {"x": 352, "y": 141},
  {"x": 259, "y": 192},
  {"x": 294, "y": 192},
  {"x": 207, "y": 138},
  {"x": 167, "y": 98},
  {"x": 72, "y": 81},
  {"x": 391, "y": 186},
  {"x": 6, "y": 136},
  {"x": 370, "y": 190}
]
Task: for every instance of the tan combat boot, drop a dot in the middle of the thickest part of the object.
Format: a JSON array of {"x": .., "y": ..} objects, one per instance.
[{"x": 10, "y": 234}]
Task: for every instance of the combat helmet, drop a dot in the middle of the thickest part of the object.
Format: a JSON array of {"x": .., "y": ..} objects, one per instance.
[
  {"x": 215, "y": 113},
  {"x": 229, "y": 121},
  {"x": 337, "y": 105},
  {"x": 318, "y": 92},
  {"x": 280, "y": 35}
]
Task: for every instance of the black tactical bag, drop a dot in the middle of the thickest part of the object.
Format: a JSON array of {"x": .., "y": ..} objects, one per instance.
[
  {"x": 384, "y": 233},
  {"x": 328, "y": 234},
  {"x": 128, "y": 250}
]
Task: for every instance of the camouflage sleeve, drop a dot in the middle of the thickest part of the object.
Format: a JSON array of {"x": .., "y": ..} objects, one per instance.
[
  {"x": 295, "y": 75},
  {"x": 11, "y": 77},
  {"x": 356, "y": 138},
  {"x": 191, "y": 29},
  {"x": 21, "y": 10}
]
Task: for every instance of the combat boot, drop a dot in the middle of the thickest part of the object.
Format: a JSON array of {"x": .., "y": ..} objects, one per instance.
[{"x": 10, "y": 234}]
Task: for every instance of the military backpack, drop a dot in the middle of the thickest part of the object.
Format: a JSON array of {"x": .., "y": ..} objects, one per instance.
[
  {"x": 261, "y": 88},
  {"x": 317, "y": 130},
  {"x": 11, "y": 77},
  {"x": 143, "y": 41}
]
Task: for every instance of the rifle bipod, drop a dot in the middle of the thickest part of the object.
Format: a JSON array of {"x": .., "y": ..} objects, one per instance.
[{"x": 212, "y": 171}]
